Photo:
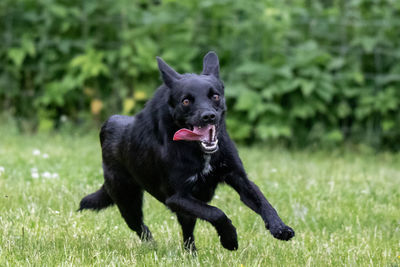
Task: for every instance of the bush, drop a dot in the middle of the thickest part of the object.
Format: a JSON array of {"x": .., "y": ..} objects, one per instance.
[{"x": 299, "y": 71}]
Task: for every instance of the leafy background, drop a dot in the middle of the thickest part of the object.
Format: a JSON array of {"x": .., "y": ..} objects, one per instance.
[{"x": 299, "y": 72}]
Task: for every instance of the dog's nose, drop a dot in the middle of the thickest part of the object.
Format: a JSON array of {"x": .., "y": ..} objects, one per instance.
[{"x": 208, "y": 116}]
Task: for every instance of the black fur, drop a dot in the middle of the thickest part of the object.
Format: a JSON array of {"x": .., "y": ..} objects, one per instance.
[{"x": 139, "y": 154}]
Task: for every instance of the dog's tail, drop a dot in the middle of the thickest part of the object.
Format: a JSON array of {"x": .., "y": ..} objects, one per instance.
[{"x": 96, "y": 201}]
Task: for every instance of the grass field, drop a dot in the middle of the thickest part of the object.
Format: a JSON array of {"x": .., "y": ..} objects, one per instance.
[{"x": 344, "y": 207}]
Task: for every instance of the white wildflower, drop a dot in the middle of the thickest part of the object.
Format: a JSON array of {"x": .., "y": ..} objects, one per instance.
[
  {"x": 34, "y": 173},
  {"x": 300, "y": 211},
  {"x": 274, "y": 170},
  {"x": 45, "y": 156},
  {"x": 63, "y": 118},
  {"x": 55, "y": 175},
  {"x": 36, "y": 152},
  {"x": 46, "y": 175}
]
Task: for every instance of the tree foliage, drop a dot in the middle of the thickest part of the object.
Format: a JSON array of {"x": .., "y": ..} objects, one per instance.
[{"x": 300, "y": 71}]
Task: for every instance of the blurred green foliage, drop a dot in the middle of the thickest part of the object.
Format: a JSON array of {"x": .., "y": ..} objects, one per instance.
[{"x": 299, "y": 71}]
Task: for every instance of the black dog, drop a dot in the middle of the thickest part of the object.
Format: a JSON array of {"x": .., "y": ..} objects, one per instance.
[{"x": 177, "y": 149}]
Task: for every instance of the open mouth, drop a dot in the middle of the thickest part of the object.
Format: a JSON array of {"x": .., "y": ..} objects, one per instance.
[
  {"x": 211, "y": 144},
  {"x": 205, "y": 135}
]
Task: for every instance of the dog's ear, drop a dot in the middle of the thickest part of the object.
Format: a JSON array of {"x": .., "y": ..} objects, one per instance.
[
  {"x": 168, "y": 74},
  {"x": 211, "y": 64}
]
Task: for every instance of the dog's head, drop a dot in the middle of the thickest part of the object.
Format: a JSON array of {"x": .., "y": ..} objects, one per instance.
[{"x": 196, "y": 102}]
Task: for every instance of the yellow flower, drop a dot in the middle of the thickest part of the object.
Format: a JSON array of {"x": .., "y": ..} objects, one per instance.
[{"x": 96, "y": 106}]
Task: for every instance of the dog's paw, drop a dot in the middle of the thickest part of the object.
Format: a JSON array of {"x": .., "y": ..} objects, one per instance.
[
  {"x": 228, "y": 238},
  {"x": 145, "y": 234},
  {"x": 282, "y": 232},
  {"x": 190, "y": 246},
  {"x": 229, "y": 242}
]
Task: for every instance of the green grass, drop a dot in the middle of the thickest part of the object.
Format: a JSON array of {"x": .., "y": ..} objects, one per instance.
[{"x": 344, "y": 207}]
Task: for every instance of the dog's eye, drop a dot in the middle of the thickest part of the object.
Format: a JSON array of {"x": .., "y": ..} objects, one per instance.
[
  {"x": 185, "y": 102},
  {"x": 215, "y": 97}
]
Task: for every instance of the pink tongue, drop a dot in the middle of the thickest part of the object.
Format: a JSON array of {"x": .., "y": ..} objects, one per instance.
[{"x": 198, "y": 134}]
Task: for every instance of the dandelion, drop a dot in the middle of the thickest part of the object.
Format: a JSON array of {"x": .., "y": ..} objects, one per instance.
[{"x": 36, "y": 152}]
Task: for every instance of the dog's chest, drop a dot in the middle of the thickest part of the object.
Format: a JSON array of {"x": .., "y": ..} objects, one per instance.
[{"x": 207, "y": 168}]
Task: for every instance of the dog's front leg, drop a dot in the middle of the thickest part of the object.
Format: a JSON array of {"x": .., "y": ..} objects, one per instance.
[
  {"x": 190, "y": 206},
  {"x": 251, "y": 195}
]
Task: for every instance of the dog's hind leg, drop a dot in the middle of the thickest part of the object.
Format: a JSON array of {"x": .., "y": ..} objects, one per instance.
[
  {"x": 187, "y": 223},
  {"x": 128, "y": 196}
]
